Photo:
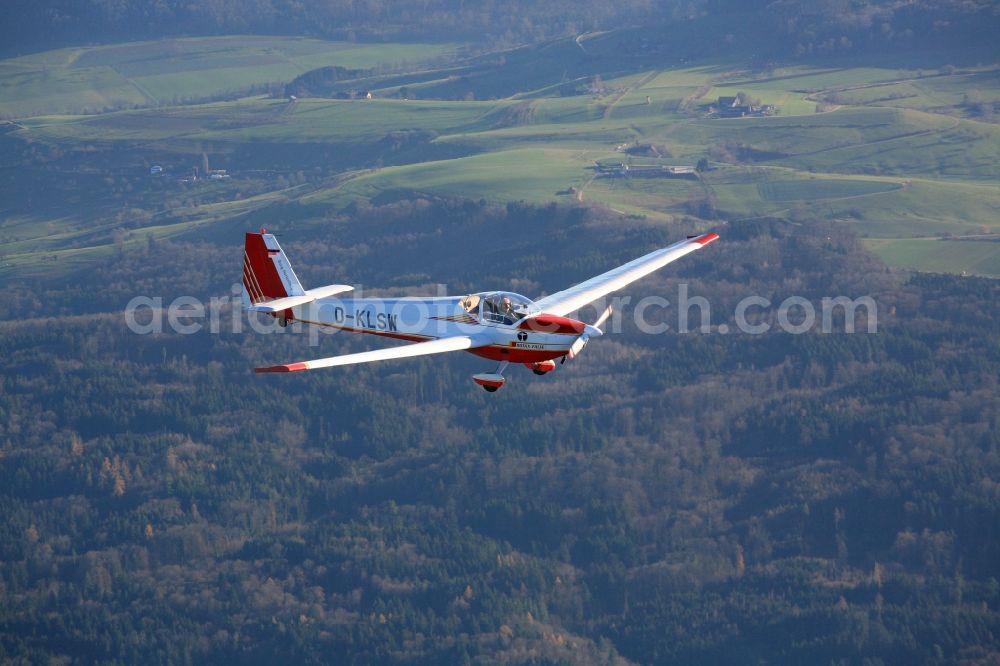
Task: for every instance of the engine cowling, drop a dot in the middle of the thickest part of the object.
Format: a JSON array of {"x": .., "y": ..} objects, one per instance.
[{"x": 546, "y": 323}]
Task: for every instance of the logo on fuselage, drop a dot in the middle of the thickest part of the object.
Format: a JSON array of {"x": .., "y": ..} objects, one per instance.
[{"x": 522, "y": 336}]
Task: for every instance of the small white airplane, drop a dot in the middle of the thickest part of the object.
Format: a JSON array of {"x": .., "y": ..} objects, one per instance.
[{"x": 497, "y": 325}]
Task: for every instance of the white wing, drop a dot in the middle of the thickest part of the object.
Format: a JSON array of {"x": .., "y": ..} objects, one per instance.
[
  {"x": 563, "y": 302},
  {"x": 454, "y": 343}
]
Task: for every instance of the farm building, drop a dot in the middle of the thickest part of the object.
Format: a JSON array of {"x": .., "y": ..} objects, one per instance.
[{"x": 620, "y": 169}]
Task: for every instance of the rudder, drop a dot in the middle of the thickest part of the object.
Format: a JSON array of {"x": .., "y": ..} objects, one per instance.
[{"x": 267, "y": 274}]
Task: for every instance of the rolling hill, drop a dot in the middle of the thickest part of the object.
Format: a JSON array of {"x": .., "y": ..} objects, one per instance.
[{"x": 526, "y": 124}]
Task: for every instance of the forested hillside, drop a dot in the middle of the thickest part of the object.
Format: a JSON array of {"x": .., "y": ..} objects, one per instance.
[
  {"x": 675, "y": 498},
  {"x": 771, "y": 29},
  {"x": 704, "y": 497}
]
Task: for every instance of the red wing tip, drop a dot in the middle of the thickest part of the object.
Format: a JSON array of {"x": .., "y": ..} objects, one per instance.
[
  {"x": 288, "y": 367},
  {"x": 705, "y": 239}
]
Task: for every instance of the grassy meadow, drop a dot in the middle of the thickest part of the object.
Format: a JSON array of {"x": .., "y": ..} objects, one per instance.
[
  {"x": 170, "y": 71},
  {"x": 899, "y": 155}
]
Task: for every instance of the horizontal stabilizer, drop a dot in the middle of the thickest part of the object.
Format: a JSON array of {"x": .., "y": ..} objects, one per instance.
[{"x": 279, "y": 304}]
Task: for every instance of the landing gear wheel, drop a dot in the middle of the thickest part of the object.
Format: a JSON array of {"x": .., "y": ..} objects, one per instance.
[
  {"x": 491, "y": 381},
  {"x": 540, "y": 372},
  {"x": 282, "y": 321}
]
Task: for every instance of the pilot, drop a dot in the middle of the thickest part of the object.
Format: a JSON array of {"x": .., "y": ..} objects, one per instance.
[{"x": 507, "y": 308}]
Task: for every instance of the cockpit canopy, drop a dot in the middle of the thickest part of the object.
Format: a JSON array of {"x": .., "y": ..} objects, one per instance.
[{"x": 498, "y": 307}]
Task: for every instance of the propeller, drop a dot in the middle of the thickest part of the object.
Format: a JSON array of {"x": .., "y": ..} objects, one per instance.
[{"x": 589, "y": 331}]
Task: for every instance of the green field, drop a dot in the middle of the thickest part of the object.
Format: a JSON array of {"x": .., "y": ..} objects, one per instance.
[
  {"x": 896, "y": 154},
  {"x": 876, "y": 207},
  {"x": 821, "y": 188},
  {"x": 931, "y": 92},
  {"x": 264, "y": 119},
  {"x": 972, "y": 257},
  {"x": 535, "y": 175},
  {"x": 171, "y": 71}
]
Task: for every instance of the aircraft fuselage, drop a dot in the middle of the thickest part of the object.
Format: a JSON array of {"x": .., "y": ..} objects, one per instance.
[{"x": 530, "y": 340}]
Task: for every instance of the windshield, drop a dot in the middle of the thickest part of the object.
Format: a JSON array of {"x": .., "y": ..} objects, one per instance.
[{"x": 504, "y": 307}]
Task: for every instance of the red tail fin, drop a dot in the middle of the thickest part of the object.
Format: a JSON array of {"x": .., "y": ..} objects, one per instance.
[{"x": 260, "y": 274}]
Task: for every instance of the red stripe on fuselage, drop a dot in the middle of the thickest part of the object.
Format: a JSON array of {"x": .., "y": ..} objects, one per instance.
[
  {"x": 516, "y": 355},
  {"x": 385, "y": 334}
]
